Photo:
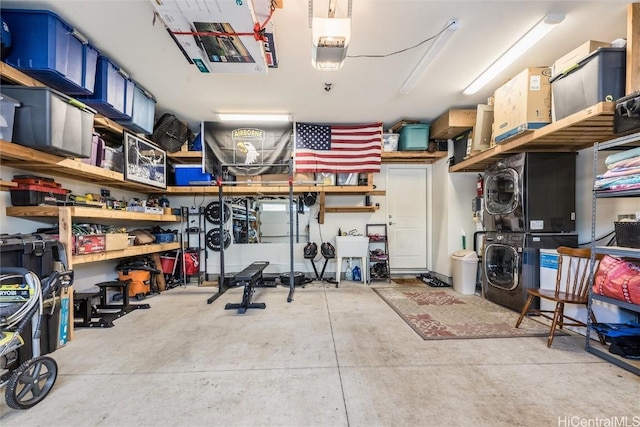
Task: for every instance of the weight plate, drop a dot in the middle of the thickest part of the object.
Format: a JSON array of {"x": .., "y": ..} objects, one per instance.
[
  {"x": 212, "y": 212},
  {"x": 298, "y": 278},
  {"x": 213, "y": 239}
]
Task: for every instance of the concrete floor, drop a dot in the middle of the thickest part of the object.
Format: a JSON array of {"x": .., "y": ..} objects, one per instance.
[{"x": 333, "y": 357}]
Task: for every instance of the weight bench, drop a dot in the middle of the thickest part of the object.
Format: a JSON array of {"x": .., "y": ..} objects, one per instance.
[{"x": 249, "y": 278}]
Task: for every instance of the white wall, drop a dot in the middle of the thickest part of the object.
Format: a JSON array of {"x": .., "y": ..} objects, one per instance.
[{"x": 451, "y": 207}]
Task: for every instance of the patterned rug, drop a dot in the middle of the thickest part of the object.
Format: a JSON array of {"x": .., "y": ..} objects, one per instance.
[
  {"x": 407, "y": 281},
  {"x": 446, "y": 314}
]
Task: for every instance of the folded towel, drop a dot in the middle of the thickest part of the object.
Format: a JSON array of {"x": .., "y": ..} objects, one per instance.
[{"x": 628, "y": 154}]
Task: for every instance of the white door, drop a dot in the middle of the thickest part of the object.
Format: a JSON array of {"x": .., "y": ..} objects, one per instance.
[{"x": 406, "y": 201}]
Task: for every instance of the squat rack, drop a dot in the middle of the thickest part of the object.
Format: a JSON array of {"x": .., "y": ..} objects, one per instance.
[{"x": 222, "y": 288}]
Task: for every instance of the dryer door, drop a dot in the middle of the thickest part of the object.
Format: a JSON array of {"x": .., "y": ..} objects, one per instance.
[
  {"x": 501, "y": 191},
  {"x": 501, "y": 263}
]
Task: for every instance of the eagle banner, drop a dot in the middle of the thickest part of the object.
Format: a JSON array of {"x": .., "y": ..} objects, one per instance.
[{"x": 247, "y": 148}]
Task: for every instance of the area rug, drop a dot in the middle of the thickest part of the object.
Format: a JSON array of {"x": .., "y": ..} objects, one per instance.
[
  {"x": 446, "y": 314},
  {"x": 407, "y": 281}
]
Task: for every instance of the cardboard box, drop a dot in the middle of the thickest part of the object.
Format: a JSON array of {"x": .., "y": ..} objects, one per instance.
[
  {"x": 304, "y": 178},
  {"x": 281, "y": 178},
  {"x": 116, "y": 241},
  {"x": 390, "y": 141},
  {"x": 523, "y": 103},
  {"x": 453, "y": 123},
  {"x": 325, "y": 178},
  {"x": 571, "y": 59},
  {"x": 248, "y": 180},
  {"x": 89, "y": 244},
  {"x": 481, "y": 138}
]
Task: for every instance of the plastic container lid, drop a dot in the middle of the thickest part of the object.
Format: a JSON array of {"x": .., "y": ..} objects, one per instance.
[{"x": 465, "y": 255}]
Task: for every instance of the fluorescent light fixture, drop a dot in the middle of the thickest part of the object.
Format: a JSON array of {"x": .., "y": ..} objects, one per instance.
[
  {"x": 428, "y": 56},
  {"x": 330, "y": 40},
  {"x": 223, "y": 117},
  {"x": 533, "y": 36}
]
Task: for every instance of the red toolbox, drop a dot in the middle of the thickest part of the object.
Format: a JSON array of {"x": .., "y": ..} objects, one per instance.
[
  {"x": 89, "y": 244},
  {"x": 35, "y": 195}
]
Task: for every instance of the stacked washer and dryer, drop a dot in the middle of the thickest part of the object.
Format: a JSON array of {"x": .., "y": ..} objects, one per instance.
[{"x": 529, "y": 204}]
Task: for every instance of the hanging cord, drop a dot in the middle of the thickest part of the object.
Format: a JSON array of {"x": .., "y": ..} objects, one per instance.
[
  {"x": 405, "y": 49},
  {"x": 258, "y": 29},
  {"x": 609, "y": 243}
]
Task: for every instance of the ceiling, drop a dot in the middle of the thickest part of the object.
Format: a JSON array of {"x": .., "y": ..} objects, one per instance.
[{"x": 364, "y": 89}]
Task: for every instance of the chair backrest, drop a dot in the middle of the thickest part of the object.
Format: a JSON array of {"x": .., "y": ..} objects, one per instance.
[{"x": 574, "y": 278}]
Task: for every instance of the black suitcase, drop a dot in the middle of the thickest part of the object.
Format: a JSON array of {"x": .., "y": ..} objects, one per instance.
[
  {"x": 627, "y": 114},
  {"x": 35, "y": 252}
]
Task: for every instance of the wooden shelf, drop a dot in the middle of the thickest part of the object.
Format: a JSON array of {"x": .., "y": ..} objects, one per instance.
[
  {"x": 350, "y": 209},
  {"x": 5, "y": 185},
  {"x": 21, "y": 157},
  {"x": 423, "y": 157},
  {"x": 16, "y": 76},
  {"x": 248, "y": 190},
  {"x": 128, "y": 252},
  {"x": 104, "y": 123},
  {"x": 575, "y": 132},
  {"x": 186, "y": 156},
  {"x": 86, "y": 214}
]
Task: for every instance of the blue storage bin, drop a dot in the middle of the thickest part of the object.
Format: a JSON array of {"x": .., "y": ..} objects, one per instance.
[
  {"x": 113, "y": 93},
  {"x": 144, "y": 111},
  {"x": 414, "y": 137},
  {"x": 51, "y": 51},
  {"x": 191, "y": 175}
]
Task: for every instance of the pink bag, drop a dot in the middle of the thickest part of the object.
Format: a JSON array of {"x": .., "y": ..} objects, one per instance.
[{"x": 618, "y": 279}]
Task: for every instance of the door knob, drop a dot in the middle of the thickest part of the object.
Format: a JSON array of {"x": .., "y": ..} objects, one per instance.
[{"x": 390, "y": 223}]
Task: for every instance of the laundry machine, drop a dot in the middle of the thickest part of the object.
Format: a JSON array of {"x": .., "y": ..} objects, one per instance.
[
  {"x": 511, "y": 264},
  {"x": 531, "y": 192}
]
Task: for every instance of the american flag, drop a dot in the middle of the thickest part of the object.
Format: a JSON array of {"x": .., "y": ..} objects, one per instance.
[{"x": 338, "y": 148}]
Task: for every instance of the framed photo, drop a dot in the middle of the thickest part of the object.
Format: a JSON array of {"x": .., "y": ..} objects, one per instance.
[{"x": 144, "y": 162}]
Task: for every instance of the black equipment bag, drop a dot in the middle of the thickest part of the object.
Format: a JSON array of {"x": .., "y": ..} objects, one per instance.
[
  {"x": 626, "y": 117},
  {"x": 171, "y": 133}
]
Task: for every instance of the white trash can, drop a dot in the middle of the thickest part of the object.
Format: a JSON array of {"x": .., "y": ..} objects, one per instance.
[{"x": 464, "y": 265}]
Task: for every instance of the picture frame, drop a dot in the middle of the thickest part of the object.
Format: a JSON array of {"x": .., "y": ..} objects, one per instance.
[{"x": 144, "y": 161}]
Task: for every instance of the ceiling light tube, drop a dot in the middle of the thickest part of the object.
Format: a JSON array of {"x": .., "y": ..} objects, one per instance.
[
  {"x": 224, "y": 117},
  {"x": 428, "y": 56},
  {"x": 533, "y": 36}
]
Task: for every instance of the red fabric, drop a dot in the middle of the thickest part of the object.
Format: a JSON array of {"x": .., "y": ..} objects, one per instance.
[{"x": 619, "y": 279}]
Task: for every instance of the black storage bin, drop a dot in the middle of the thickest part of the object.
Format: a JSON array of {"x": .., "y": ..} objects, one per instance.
[
  {"x": 460, "y": 147},
  {"x": 598, "y": 77},
  {"x": 628, "y": 234},
  {"x": 35, "y": 252}
]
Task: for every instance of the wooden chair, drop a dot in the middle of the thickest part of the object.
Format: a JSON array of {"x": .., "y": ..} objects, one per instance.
[{"x": 571, "y": 289}]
